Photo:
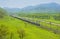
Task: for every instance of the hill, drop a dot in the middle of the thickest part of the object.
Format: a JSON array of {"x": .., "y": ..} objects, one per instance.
[{"x": 3, "y": 12}]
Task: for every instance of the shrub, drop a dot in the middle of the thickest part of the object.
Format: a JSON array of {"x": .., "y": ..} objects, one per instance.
[
  {"x": 3, "y": 32},
  {"x": 21, "y": 33}
]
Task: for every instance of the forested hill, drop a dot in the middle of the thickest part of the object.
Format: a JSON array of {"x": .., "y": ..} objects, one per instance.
[
  {"x": 44, "y": 8},
  {"x": 3, "y": 12}
]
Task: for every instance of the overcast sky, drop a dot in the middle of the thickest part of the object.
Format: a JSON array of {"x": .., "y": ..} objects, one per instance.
[{"x": 24, "y": 3}]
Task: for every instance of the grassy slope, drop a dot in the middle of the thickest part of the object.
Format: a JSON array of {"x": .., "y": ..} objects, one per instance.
[{"x": 31, "y": 31}]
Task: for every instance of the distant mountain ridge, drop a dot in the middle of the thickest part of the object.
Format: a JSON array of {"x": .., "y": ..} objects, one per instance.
[
  {"x": 12, "y": 9},
  {"x": 50, "y": 7}
]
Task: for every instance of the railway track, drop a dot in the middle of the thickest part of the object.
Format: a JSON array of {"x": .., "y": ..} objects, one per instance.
[{"x": 29, "y": 21}]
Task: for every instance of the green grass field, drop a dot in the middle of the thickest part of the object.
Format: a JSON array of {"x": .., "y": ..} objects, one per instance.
[{"x": 30, "y": 31}]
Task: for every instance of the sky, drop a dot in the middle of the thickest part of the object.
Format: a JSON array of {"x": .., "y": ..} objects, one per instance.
[{"x": 24, "y": 3}]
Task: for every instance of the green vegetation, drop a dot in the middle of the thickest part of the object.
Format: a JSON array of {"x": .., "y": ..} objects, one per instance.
[
  {"x": 17, "y": 28},
  {"x": 3, "y": 31},
  {"x": 47, "y": 21},
  {"x": 3, "y": 13},
  {"x": 12, "y": 28}
]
